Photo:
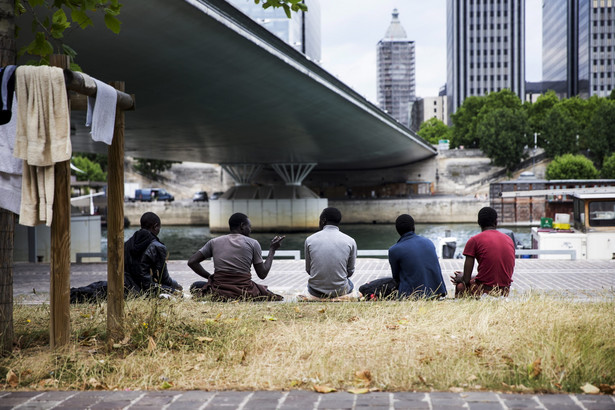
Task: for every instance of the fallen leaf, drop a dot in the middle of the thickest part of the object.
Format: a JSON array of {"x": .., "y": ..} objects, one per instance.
[
  {"x": 363, "y": 378},
  {"x": 322, "y": 310},
  {"x": 358, "y": 390},
  {"x": 271, "y": 318},
  {"x": 456, "y": 389},
  {"x": 422, "y": 379},
  {"x": 320, "y": 388},
  {"x": 95, "y": 384},
  {"x": 606, "y": 389},
  {"x": 12, "y": 379},
  {"x": 535, "y": 368},
  {"x": 151, "y": 344},
  {"x": 590, "y": 389},
  {"x": 353, "y": 319},
  {"x": 204, "y": 339},
  {"x": 166, "y": 385},
  {"x": 297, "y": 310},
  {"x": 392, "y": 327}
]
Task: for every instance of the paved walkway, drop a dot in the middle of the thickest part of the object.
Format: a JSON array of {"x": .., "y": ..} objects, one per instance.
[
  {"x": 579, "y": 279},
  {"x": 297, "y": 399}
]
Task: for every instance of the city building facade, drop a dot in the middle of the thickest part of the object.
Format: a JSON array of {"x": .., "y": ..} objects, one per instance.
[
  {"x": 578, "y": 51},
  {"x": 302, "y": 30},
  {"x": 396, "y": 72},
  {"x": 485, "y": 48}
]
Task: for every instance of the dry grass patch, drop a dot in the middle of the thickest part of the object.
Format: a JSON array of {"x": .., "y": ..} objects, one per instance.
[{"x": 535, "y": 343}]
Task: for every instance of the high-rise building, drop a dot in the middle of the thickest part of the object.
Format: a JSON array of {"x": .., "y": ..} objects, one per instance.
[
  {"x": 396, "y": 72},
  {"x": 578, "y": 47},
  {"x": 302, "y": 30},
  {"x": 485, "y": 48}
]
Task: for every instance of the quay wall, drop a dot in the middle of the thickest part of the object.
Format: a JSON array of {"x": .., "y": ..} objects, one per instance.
[{"x": 432, "y": 209}]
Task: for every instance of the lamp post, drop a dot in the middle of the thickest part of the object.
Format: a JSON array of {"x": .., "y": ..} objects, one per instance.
[{"x": 536, "y": 134}]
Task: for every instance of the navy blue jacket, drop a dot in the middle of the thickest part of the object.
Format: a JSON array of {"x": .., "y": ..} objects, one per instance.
[{"x": 415, "y": 267}]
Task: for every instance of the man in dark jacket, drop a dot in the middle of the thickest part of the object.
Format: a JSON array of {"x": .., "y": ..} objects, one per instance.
[{"x": 145, "y": 260}]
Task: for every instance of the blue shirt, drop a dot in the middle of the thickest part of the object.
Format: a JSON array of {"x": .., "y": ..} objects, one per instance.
[{"x": 415, "y": 267}]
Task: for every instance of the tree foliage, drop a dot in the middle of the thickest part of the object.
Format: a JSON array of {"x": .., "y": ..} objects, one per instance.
[
  {"x": 465, "y": 122},
  {"x": 91, "y": 170},
  {"x": 152, "y": 168},
  {"x": 601, "y": 132},
  {"x": 433, "y": 130},
  {"x": 538, "y": 111},
  {"x": 559, "y": 134},
  {"x": 608, "y": 167},
  {"x": 287, "y": 5},
  {"x": 503, "y": 136},
  {"x": 570, "y": 166}
]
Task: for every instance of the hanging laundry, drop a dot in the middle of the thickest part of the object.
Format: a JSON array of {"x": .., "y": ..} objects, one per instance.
[
  {"x": 7, "y": 89},
  {"x": 10, "y": 167},
  {"x": 42, "y": 139},
  {"x": 101, "y": 110}
]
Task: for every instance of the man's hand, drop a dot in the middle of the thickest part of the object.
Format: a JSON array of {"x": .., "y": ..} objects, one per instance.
[
  {"x": 276, "y": 242},
  {"x": 457, "y": 278}
]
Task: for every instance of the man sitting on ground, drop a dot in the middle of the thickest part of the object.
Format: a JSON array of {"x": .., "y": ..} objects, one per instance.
[
  {"x": 233, "y": 256},
  {"x": 414, "y": 263},
  {"x": 495, "y": 253},
  {"x": 145, "y": 260},
  {"x": 330, "y": 257}
]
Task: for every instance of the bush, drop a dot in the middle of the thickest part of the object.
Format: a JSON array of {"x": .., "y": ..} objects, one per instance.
[
  {"x": 91, "y": 170},
  {"x": 608, "y": 167},
  {"x": 570, "y": 166}
]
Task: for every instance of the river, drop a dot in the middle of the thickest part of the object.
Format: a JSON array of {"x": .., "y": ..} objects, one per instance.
[{"x": 183, "y": 241}]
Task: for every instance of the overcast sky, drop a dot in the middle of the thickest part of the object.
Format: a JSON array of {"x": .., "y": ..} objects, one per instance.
[{"x": 352, "y": 28}]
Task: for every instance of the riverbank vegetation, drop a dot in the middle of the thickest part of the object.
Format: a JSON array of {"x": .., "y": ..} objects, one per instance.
[{"x": 526, "y": 344}]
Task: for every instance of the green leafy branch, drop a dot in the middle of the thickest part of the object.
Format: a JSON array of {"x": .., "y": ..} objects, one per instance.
[
  {"x": 287, "y": 5},
  {"x": 52, "y": 19}
]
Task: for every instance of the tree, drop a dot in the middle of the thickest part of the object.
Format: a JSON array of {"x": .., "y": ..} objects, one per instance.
[
  {"x": 152, "y": 168},
  {"x": 570, "y": 166},
  {"x": 91, "y": 170},
  {"x": 538, "y": 111},
  {"x": 465, "y": 121},
  {"x": 433, "y": 130},
  {"x": 601, "y": 132},
  {"x": 608, "y": 167},
  {"x": 503, "y": 136},
  {"x": 559, "y": 134}
]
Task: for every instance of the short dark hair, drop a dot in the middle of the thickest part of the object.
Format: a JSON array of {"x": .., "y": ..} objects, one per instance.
[
  {"x": 236, "y": 220},
  {"x": 149, "y": 220},
  {"x": 487, "y": 216},
  {"x": 332, "y": 215},
  {"x": 404, "y": 224}
]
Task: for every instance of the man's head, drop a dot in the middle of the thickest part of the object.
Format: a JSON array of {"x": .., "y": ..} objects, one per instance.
[
  {"x": 151, "y": 222},
  {"x": 239, "y": 223},
  {"x": 487, "y": 218},
  {"x": 404, "y": 224},
  {"x": 330, "y": 216}
]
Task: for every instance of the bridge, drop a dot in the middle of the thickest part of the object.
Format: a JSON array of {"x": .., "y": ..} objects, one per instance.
[{"x": 214, "y": 86}]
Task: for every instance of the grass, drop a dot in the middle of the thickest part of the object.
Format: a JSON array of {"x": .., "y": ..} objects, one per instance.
[{"x": 535, "y": 343}]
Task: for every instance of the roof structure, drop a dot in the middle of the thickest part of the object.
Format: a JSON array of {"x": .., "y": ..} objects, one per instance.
[
  {"x": 213, "y": 86},
  {"x": 395, "y": 30}
]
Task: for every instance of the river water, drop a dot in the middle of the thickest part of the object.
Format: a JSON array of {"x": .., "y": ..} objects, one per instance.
[{"x": 183, "y": 241}]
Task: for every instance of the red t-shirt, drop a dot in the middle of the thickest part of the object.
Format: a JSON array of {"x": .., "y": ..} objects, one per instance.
[{"x": 495, "y": 253}]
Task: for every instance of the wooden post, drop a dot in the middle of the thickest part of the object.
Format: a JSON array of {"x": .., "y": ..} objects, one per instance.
[
  {"x": 7, "y": 226},
  {"x": 59, "y": 292},
  {"x": 115, "y": 227}
]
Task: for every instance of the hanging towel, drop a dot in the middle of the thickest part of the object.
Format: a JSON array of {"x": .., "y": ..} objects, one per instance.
[
  {"x": 10, "y": 167},
  {"x": 7, "y": 89},
  {"x": 42, "y": 138},
  {"x": 101, "y": 111}
]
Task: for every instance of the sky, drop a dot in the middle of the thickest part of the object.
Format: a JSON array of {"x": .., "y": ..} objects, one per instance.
[{"x": 351, "y": 30}]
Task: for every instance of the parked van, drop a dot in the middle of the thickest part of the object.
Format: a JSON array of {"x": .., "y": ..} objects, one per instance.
[{"x": 153, "y": 194}]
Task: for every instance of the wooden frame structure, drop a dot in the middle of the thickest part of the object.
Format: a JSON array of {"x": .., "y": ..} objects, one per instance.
[{"x": 59, "y": 295}]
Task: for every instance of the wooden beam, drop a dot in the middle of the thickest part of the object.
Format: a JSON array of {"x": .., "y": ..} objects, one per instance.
[
  {"x": 76, "y": 82},
  {"x": 59, "y": 292},
  {"x": 7, "y": 226},
  {"x": 115, "y": 227}
]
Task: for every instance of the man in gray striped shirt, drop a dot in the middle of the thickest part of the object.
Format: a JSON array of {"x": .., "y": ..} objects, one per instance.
[{"x": 330, "y": 257}]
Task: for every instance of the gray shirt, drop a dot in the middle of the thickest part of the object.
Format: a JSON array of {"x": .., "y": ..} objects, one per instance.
[
  {"x": 235, "y": 253},
  {"x": 330, "y": 257}
]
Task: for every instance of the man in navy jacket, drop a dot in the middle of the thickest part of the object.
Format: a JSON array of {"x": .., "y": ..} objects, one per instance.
[{"x": 414, "y": 263}]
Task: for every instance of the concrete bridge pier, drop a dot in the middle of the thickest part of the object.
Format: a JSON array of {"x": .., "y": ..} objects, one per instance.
[{"x": 271, "y": 208}]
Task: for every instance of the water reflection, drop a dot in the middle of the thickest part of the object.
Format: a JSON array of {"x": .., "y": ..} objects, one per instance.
[{"x": 183, "y": 241}]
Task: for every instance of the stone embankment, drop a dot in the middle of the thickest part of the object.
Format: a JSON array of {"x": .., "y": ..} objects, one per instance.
[{"x": 431, "y": 209}]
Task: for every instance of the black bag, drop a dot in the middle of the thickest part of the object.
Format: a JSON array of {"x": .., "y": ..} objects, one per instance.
[
  {"x": 92, "y": 293},
  {"x": 380, "y": 288}
]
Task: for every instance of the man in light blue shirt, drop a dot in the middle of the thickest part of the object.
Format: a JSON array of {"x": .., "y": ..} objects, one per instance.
[{"x": 330, "y": 257}]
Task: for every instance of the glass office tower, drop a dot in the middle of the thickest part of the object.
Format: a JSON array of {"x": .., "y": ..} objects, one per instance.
[
  {"x": 578, "y": 52},
  {"x": 485, "y": 48},
  {"x": 302, "y": 30},
  {"x": 396, "y": 72}
]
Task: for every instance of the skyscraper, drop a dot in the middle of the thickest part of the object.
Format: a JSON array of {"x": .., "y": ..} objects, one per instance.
[
  {"x": 485, "y": 48},
  {"x": 578, "y": 47},
  {"x": 302, "y": 30},
  {"x": 396, "y": 72}
]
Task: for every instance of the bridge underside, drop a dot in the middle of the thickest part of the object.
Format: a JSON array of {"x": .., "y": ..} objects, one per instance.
[{"x": 213, "y": 86}]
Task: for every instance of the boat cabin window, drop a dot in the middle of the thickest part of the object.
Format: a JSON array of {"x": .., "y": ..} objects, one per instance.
[{"x": 602, "y": 213}]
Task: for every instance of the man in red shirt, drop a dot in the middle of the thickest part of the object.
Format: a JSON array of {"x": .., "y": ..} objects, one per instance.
[{"x": 495, "y": 253}]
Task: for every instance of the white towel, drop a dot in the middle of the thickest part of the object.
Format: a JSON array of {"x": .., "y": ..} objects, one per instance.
[
  {"x": 8, "y": 163},
  {"x": 101, "y": 112}
]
